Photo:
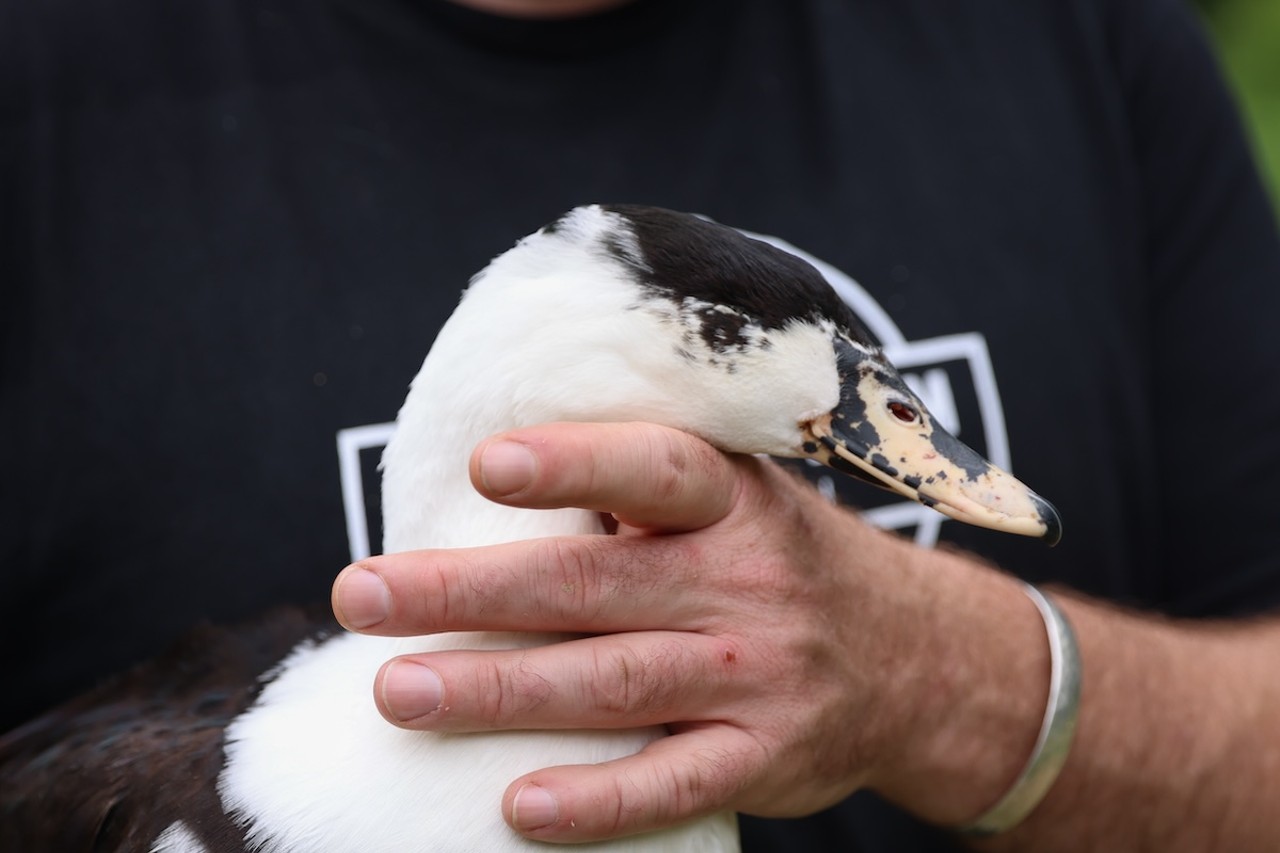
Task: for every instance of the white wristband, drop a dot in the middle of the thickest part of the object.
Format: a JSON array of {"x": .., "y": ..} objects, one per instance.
[{"x": 1056, "y": 732}]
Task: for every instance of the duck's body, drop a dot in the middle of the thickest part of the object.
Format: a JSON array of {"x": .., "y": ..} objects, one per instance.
[{"x": 610, "y": 314}]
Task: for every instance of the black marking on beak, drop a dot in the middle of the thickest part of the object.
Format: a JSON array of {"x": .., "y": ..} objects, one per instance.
[
  {"x": 1052, "y": 521},
  {"x": 834, "y": 459}
]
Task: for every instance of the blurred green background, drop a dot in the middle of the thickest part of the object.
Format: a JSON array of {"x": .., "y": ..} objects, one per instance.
[{"x": 1247, "y": 33}]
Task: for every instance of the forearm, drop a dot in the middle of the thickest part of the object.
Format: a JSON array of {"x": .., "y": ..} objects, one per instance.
[{"x": 1178, "y": 744}]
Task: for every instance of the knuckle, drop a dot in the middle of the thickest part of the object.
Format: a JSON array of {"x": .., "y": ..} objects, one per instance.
[
  {"x": 677, "y": 790},
  {"x": 677, "y": 461},
  {"x": 667, "y": 477},
  {"x": 630, "y": 682},
  {"x": 717, "y": 776},
  {"x": 571, "y": 568},
  {"x": 426, "y": 593},
  {"x": 688, "y": 782},
  {"x": 476, "y": 588},
  {"x": 512, "y": 689},
  {"x": 629, "y": 805}
]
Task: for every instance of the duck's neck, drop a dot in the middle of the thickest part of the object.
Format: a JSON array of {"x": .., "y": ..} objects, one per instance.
[
  {"x": 462, "y": 395},
  {"x": 428, "y": 498},
  {"x": 427, "y": 495}
]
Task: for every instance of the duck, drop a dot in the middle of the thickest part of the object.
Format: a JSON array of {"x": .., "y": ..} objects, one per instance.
[{"x": 612, "y": 312}]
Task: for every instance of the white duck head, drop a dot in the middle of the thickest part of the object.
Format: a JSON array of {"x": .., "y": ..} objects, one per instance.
[{"x": 623, "y": 312}]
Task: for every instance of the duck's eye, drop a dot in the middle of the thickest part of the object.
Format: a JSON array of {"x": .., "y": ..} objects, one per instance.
[{"x": 903, "y": 412}]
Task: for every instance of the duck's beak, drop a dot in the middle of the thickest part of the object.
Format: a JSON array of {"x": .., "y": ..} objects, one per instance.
[{"x": 881, "y": 432}]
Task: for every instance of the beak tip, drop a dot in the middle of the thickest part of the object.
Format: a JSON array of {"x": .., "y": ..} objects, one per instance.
[{"x": 1052, "y": 521}]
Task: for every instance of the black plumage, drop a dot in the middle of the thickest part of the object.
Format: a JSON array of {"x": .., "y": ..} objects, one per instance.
[{"x": 113, "y": 768}]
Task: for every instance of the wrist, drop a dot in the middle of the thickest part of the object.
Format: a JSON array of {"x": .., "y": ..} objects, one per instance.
[
  {"x": 975, "y": 693},
  {"x": 1057, "y": 729}
]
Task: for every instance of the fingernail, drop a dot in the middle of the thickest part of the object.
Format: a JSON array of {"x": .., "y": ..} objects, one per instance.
[
  {"x": 534, "y": 808},
  {"x": 507, "y": 467},
  {"x": 410, "y": 690},
  {"x": 363, "y": 598}
]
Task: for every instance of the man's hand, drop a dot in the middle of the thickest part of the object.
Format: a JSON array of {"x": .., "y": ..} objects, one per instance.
[{"x": 795, "y": 653}]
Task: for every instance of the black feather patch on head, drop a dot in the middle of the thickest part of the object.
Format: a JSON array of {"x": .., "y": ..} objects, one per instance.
[{"x": 686, "y": 257}]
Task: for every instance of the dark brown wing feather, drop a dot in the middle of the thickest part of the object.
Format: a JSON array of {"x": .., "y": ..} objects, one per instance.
[{"x": 112, "y": 769}]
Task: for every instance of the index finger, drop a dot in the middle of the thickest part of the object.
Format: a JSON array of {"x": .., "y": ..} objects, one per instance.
[
  {"x": 645, "y": 475},
  {"x": 589, "y": 584}
]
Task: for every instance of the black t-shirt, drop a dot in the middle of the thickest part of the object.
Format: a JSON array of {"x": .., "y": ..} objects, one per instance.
[{"x": 230, "y": 230}]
